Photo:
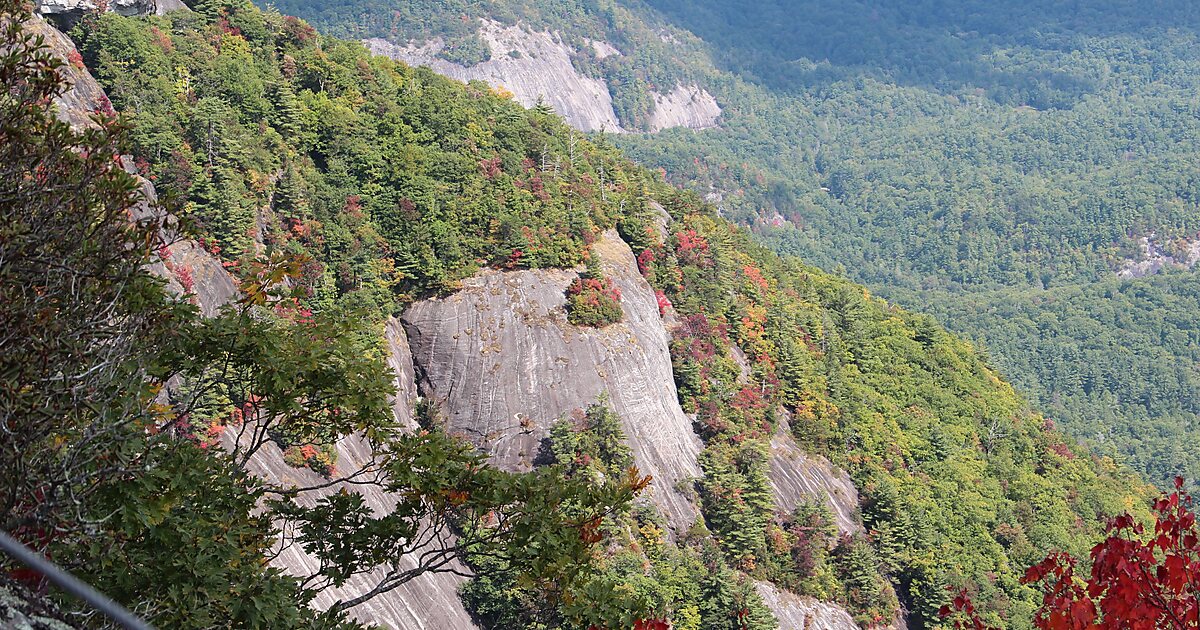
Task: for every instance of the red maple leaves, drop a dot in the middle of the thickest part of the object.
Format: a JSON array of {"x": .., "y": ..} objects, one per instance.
[{"x": 1137, "y": 582}]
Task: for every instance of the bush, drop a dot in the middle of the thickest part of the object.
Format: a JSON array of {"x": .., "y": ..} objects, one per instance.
[{"x": 594, "y": 302}]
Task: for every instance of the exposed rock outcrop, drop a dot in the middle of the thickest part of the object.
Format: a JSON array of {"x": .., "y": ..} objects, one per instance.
[
  {"x": 84, "y": 96},
  {"x": 503, "y": 364},
  {"x": 684, "y": 106},
  {"x": 537, "y": 66},
  {"x": 22, "y": 610},
  {"x": 429, "y": 602},
  {"x": 797, "y": 477},
  {"x": 795, "y": 612},
  {"x": 186, "y": 266},
  {"x": 1154, "y": 259},
  {"x": 532, "y": 66},
  {"x": 74, "y": 9}
]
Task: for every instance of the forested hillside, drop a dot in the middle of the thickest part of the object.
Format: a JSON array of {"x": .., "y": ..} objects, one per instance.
[
  {"x": 946, "y": 154},
  {"x": 387, "y": 184}
]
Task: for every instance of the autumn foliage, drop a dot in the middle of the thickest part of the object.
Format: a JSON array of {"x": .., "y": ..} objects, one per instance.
[
  {"x": 593, "y": 302},
  {"x": 1139, "y": 579}
]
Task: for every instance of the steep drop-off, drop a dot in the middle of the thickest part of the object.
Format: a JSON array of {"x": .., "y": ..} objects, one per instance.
[{"x": 503, "y": 364}]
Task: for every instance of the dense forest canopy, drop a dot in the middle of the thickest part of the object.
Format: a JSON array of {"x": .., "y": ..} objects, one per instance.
[{"x": 950, "y": 155}]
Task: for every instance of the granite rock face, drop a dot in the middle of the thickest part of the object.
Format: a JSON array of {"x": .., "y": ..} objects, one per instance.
[
  {"x": 187, "y": 267},
  {"x": 684, "y": 106},
  {"x": 797, "y": 477},
  {"x": 84, "y": 94},
  {"x": 429, "y": 602},
  {"x": 796, "y": 612},
  {"x": 536, "y": 65},
  {"x": 503, "y": 364},
  {"x": 532, "y": 66},
  {"x": 75, "y": 9}
]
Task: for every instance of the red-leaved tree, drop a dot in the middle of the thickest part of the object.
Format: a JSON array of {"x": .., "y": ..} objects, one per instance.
[{"x": 1138, "y": 580}]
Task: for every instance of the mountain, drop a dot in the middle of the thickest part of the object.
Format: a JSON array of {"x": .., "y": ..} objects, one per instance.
[
  {"x": 958, "y": 158},
  {"x": 818, "y": 455}
]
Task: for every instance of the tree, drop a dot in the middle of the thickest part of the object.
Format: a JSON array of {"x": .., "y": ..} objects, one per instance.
[
  {"x": 1137, "y": 581},
  {"x": 79, "y": 316},
  {"x": 115, "y": 470}
]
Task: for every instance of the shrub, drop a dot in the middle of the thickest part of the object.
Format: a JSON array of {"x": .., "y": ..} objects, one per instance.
[{"x": 594, "y": 302}]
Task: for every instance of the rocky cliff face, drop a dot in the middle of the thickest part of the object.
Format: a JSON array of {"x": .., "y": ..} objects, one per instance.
[
  {"x": 71, "y": 10},
  {"x": 684, "y": 106},
  {"x": 804, "y": 613},
  {"x": 503, "y": 364},
  {"x": 532, "y": 66},
  {"x": 797, "y": 477},
  {"x": 537, "y": 66}
]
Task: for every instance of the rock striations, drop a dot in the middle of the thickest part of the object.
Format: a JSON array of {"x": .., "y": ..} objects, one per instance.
[
  {"x": 795, "y": 612},
  {"x": 532, "y": 66},
  {"x": 503, "y": 364}
]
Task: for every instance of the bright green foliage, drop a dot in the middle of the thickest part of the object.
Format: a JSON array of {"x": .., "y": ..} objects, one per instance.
[
  {"x": 96, "y": 473},
  {"x": 392, "y": 179},
  {"x": 397, "y": 182},
  {"x": 639, "y": 574},
  {"x": 1113, "y": 362},
  {"x": 957, "y": 156},
  {"x": 115, "y": 471},
  {"x": 184, "y": 547},
  {"x": 591, "y": 438},
  {"x": 959, "y": 480}
]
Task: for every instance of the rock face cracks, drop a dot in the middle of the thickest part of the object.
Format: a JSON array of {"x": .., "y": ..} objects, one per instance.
[
  {"x": 532, "y": 66},
  {"x": 502, "y": 364}
]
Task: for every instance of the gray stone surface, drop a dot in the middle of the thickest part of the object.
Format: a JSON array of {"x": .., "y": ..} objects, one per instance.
[
  {"x": 75, "y": 9},
  {"x": 795, "y": 612},
  {"x": 530, "y": 65},
  {"x": 22, "y": 610},
  {"x": 797, "y": 477},
  {"x": 84, "y": 94},
  {"x": 684, "y": 106},
  {"x": 503, "y": 364},
  {"x": 501, "y": 361},
  {"x": 429, "y": 602},
  {"x": 537, "y": 65}
]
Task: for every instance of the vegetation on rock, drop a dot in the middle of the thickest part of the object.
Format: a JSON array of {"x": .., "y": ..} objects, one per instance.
[
  {"x": 107, "y": 470},
  {"x": 962, "y": 158},
  {"x": 394, "y": 183}
]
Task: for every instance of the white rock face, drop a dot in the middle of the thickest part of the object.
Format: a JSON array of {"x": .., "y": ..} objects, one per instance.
[
  {"x": 797, "y": 477},
  {"x": 503, "y": 364},
  {"x": 537, "y": 65},
  {"x": 684, "y": 106},
  {"x": 795, "y": 612},
  {"x": 429, "y": 602},
  {"x": 123, "y": 7},
  {"x": 1154, "y": 259},
  {"x": 530, "y": 65}
]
